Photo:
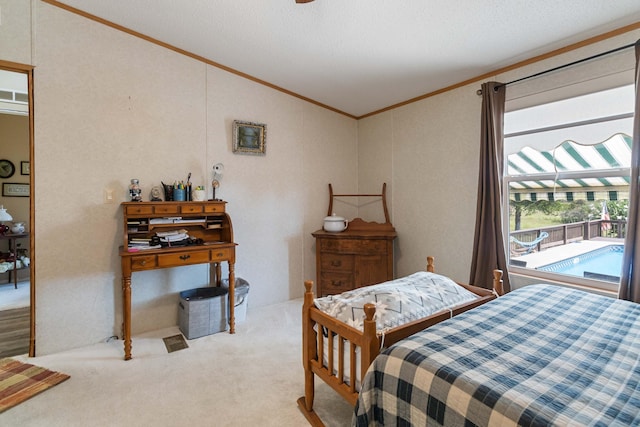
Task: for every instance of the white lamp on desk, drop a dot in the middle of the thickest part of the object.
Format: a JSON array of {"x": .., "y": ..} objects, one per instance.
[{"x": 4, "y": 216}]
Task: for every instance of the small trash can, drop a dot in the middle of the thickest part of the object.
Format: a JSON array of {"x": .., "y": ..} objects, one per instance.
[
  {"x": 241, "y": 295},
  {"x": 203, "y": 311}
]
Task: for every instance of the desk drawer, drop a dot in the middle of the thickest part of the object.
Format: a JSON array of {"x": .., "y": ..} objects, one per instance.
[
  {"x": 335, "y": 262},
  {"x": 185, "y": 258},
  {"x": 221, "y": 254},
  {"x": 139, "y": 210},
  {"x": 165, "y": 209},
  {"x": 143, "y": 262},
  {"x": 191, "y": 209},
  {"x": 214, "y": 208}
]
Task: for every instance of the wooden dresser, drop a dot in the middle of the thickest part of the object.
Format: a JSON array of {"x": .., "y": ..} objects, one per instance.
[
  {"x": 359, "y": 256},
  {"x": 352, "y": 258}
]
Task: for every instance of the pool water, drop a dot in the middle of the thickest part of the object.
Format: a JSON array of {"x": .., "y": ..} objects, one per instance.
[{"x": 601, "y": 264}]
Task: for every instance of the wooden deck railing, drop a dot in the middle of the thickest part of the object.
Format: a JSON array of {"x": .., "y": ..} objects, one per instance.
[{"x": 568, "y": 233}]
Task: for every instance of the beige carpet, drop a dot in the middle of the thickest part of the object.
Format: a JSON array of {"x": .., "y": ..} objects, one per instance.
[{"x": 252, "y": 378}]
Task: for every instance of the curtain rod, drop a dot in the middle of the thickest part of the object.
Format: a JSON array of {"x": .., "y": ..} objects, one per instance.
[{"x": 560, "y": 67}]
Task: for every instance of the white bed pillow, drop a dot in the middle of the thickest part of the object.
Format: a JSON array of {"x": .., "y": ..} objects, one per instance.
[{"x": 397, "y": 301}]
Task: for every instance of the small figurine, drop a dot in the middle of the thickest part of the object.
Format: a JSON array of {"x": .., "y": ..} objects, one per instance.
[{"x": 135, "y": 191}]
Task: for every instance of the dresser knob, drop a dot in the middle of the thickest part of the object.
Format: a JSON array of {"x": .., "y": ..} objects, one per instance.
[
  {"x": 185, "y": 257},
  {"x": 143, "y": 262},
  {"x": 336, "y": 263}
]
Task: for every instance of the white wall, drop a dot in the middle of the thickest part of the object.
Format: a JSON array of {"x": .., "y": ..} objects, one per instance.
[
  {"x": 15, "y": 31},
  {"x": 432, "y": 161},
  {"x": 110, "y": 107}
]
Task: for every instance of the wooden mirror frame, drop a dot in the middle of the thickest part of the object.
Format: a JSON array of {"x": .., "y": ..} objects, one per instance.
[{"x": 28, "y": 70}]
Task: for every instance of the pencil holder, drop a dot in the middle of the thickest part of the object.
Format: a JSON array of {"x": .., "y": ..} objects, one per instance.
[
  {"x": 179, "y": 194},
  {"x": 198, "y": 195}
]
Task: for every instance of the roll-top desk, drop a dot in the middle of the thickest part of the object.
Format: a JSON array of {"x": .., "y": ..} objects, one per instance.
[{"x": 207, "y": 222}]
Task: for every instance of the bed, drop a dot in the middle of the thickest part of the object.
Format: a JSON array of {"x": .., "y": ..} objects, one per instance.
[
  {"x": 542, "y": 355},
  {"x": 337, "y": 351}
]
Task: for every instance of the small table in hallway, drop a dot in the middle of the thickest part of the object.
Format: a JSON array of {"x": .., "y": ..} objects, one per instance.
[{"x": 12, "y": 238}]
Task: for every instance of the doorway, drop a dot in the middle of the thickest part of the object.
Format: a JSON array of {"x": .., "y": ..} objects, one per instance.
[{"x": 17, "y": 281}]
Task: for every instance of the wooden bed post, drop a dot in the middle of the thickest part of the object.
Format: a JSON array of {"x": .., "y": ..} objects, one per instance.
[
  {"x": 497, "y": 282},
  {"x": 309, "y": 353},
  {"x": 370, "y": 346},
  {"x": 309, "y": 350},
  {"x": 430, "y": 267}
]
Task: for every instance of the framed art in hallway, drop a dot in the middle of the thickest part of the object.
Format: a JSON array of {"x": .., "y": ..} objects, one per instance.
[
  {"x": 25, "y": 168},
  {"x": 12, "y": 189},
  {"x": 249, "y": 138}
]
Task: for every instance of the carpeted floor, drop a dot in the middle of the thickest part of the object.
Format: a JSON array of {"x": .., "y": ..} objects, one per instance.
[
  {"x": 251, "y": 378},
  {"x": 14, "y": 298}
]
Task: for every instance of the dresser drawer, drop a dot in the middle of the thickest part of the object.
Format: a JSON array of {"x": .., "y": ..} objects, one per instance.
[
  {"x": 336, "y": 262},
  {"x": 354, "y": 246},
  {"x": 221, "y": 254},
  {"x": 185, "y": 258},
  {"x": 143, "y": 262},
  {"x": 335, "y": 283}
]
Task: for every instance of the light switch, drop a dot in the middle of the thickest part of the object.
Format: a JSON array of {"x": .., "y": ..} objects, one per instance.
[{"x": 108, "y": 195}]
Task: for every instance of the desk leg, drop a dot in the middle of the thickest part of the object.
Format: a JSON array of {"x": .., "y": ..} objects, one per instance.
[
  {"x": 126, "y": 314},
  {"x": 215, "y": 274},
  {"x": 232, "y": 299},
  {"x": 218, "y": 274}
]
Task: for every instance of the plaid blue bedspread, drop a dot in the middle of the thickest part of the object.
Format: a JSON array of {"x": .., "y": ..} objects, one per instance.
[{"x": 542, "y": 355}]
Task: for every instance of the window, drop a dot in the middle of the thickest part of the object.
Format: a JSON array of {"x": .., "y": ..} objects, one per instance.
[{"x": 567, "y": 173}]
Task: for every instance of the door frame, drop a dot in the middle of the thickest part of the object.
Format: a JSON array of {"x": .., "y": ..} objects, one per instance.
[{"x": 28, "y": 70}]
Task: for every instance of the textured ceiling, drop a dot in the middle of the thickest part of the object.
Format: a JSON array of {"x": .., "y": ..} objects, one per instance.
[{"x": 360, "y": 56}]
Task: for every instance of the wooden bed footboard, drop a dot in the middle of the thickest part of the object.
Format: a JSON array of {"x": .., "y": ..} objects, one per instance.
[{"x": 340, "y": 354}]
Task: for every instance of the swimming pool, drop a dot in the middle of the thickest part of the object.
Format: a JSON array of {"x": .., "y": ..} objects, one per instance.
[{"x": 602, "y": 264}]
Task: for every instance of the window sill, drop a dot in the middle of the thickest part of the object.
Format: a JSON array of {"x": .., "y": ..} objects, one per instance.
[{"x": 520, "y": 277}]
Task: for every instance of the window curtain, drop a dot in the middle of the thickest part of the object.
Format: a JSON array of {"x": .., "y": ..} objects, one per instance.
[
  {"x": 630, "y": 277},
  {"x": 488, "y": 245}
]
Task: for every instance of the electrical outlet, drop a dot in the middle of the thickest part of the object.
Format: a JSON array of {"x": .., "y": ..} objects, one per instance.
[{"x": 108, "y": 195}]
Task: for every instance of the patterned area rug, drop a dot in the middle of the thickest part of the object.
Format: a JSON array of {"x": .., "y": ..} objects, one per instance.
[{"x": 21, "y": 381}]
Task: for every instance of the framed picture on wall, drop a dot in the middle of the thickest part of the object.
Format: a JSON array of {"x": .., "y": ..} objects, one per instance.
[
  {"x": 249, "y": 138},
  {"x": 25, "y": 168},
  {"x": 12, "y": 189}
]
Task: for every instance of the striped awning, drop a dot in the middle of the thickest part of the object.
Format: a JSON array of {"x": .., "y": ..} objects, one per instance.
[{"x": 559, "y": 174}]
